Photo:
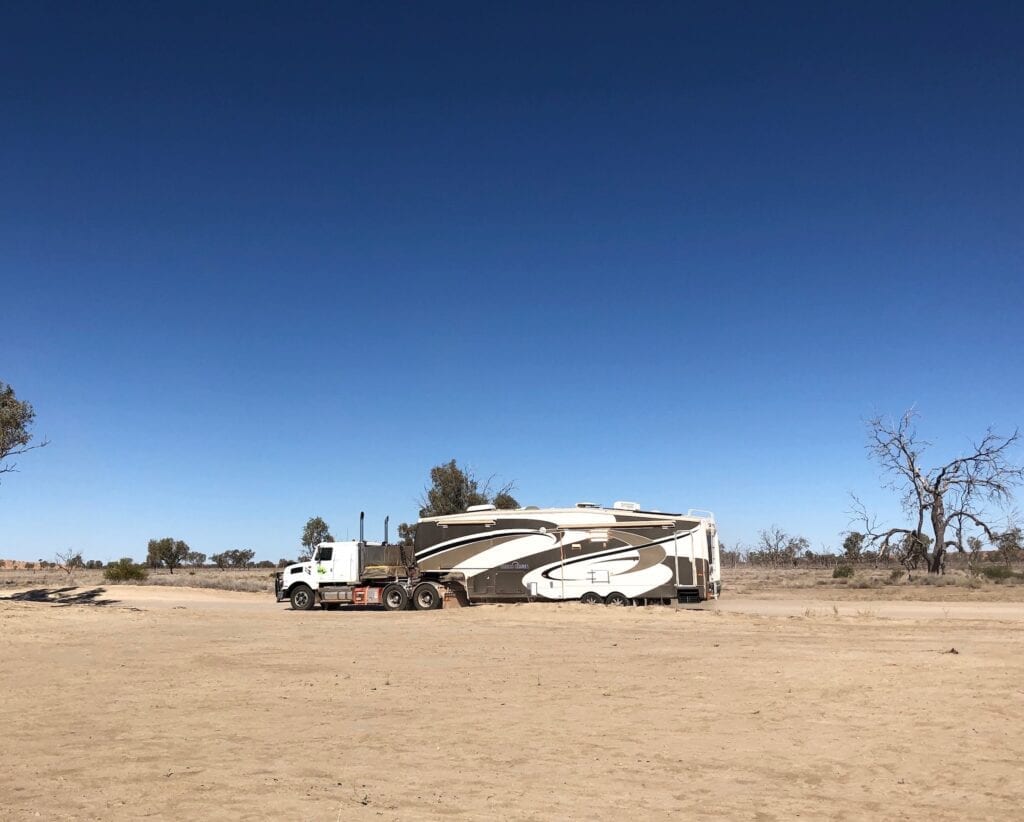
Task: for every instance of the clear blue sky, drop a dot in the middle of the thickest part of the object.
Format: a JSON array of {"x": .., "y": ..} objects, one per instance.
[{"x": 263, "y": 262}]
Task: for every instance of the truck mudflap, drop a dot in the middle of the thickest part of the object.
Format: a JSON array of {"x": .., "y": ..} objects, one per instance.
[{"x": 455, "y": 596}]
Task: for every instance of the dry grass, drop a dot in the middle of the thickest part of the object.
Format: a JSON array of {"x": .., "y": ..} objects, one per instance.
[
  {"x": 866, "y": 584},
  {"x": 255, "y": 580}
]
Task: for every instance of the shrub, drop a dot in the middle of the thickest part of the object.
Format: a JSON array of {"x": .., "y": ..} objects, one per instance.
[
  {"x": 895, "y": 574},
  {"x": 125, "y": 570},
  {"x": 842, "y": 572},
  {"x": 998, "y": 573}
]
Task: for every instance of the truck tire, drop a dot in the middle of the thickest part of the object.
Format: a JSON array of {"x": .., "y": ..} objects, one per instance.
[
  {"x": 302, "y": 598},
  {"x": 590, "y": 598},
  {"x": 426, "y": 597},
  {"x": 395, "y": 598},
  {"x": 615, "y": 598}
]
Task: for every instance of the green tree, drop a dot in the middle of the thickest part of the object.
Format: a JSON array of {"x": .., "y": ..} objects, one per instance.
[
  {"x": 1009, "y": 546},
  {"x": 196, "y": 559},
  {"x": 505, "y": 501},
  {"x": 451, "y": 491},
  {"x": 221, "y": 560},
  {"x": 315, "y": 532},
  {"x": 406, "y": 534},
  {"x": 852, "y": 546},
  {"x": 241, "y": 557},
  {"x": 16, "y": 420},
  {"x": 169, "y": 551}
]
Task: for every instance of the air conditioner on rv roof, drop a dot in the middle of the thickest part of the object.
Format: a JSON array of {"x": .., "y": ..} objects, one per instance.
[
  {"x": 487, "y": 507},
  {"x": 623, "y": 505}
]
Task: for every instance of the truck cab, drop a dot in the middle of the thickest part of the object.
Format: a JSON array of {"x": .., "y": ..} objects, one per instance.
[
  {"x": 336, "y": 562},
  {"x": 332, "y": 564}
]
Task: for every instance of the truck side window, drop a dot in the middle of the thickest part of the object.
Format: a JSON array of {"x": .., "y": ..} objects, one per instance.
[{"x": 325, "y": 554}]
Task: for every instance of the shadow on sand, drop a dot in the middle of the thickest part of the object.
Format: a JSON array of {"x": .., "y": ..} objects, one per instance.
[{"x": 63, "y": 596}]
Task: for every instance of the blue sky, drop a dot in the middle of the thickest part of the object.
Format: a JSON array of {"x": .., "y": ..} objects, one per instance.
[{"x": 263, "y": 262}]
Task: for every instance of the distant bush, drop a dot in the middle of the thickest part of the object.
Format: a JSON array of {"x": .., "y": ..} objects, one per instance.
[
  {"x": 896, "y": 574},
  {"x": 125, "y": 570},
  {"x": 999, "y": 573},
  {"x": 842, "y": 572}
]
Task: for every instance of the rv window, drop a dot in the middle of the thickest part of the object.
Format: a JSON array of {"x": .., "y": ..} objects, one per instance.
[{"x": 325, "y": 554}]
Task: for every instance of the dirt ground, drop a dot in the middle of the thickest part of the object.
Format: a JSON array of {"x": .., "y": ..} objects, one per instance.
[{"x": 126, "y": 702}]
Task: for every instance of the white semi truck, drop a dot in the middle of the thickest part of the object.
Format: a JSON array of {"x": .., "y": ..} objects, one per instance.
[{"x": 615, "y": 556}]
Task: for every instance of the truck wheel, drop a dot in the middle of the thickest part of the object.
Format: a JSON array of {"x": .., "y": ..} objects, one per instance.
[
  {"x": 395, "y": 598},
  {"x": 425, "y": 598},
  {"x": 590, "y": 598},
  {"x": 615, "y": 598},
  {"x": 302, "y": 598}
]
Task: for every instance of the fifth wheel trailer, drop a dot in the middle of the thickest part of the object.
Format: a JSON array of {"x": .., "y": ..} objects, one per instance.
[{"x": 589, "y": 553}]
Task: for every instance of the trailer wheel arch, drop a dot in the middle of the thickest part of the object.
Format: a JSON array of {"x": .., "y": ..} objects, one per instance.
[{"x": 301, "y": 597}]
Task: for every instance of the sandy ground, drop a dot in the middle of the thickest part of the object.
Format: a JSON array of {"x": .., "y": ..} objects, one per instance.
[{"x": 177, "y": 703}]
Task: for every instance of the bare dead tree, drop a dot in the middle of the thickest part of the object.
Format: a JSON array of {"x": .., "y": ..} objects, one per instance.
[
  {"x": 954, "y": 499},
  {"x": 776, "y": 548},
  {"x": 68, "y": 561}
]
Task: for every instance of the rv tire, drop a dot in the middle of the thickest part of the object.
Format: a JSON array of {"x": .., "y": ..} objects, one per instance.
[
  {"x": 590, "y": 598},
  {"x": 395, "y": 598},
  {"x": 302, "y": 598},
  {"x": 426, "y": 597},
  {"x": 615, "y": 598}
]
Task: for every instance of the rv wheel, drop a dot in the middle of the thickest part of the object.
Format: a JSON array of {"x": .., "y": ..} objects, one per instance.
[
  {"x": 425, "y": 598},
  {"x": 615, "y": 598},
  {"x": 590, "y": 598},
  {"x": 395, "y": 598},
  {"x": 302, "y": 598}
]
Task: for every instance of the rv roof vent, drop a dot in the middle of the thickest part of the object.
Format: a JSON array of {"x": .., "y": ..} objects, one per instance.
[
  {"x": 487, "y": 507},
  {"x": 622, "y": 505},
  {"x": 587, "y": 505},
  {"x": 532, "y": 508}
]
